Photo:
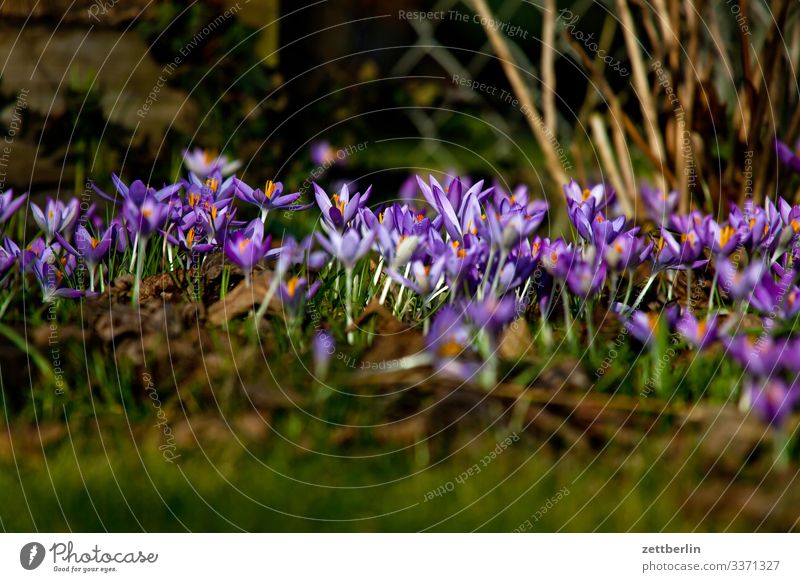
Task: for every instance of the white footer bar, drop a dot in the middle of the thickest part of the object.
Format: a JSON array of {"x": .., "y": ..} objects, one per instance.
[{"x": 400, "y": 557}]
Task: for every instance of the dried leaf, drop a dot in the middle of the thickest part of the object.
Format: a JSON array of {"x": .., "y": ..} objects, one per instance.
[
  {"x": 516, "y": 342},
  {"x": 242, "y": 299}
]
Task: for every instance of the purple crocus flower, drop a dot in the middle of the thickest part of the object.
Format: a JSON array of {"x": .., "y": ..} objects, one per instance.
[
  {"x": 586, "y": 275},
  {"x": 492, "y": 314},
  {"x": 582, "y": 206},
  {"x": 56, "y": 217},
  {"x": 580, "y": 196},
  {"x": 763, "y": 357},
  {"x": 519, "y": 200},
  {"x": 759, "y": 228},
  {"x": 205, "y": 162},
  {"x": 296, "y": 290},
  {"x": 659, "y": 205},
  {"x": 790, "y": 215},
  {"x": 627, "y": 251},
  {"x": 772, "y": 399},
  {"x": 776, "y": 298},
  {"x": 187, "y": 241},
  {"x": 9, "y": 205},
  {"x": 348, "y": 248},
  {"x": 246, "y": 248},
  {"x": 508, "y": 230},
  {"x": 557, "y": 258},
  {"x": 700, "y": 333},
  {"x": 51, "y": 281},
  {"x": 449, "y": 341},
  {"x": 454, "y": 193},
  {"x": 426, "y": 277},
  {"x": 92, "y": 250},
  {"x": 340, "y": 209},
  {"x": 291, "y": 291},
  {"x": 216, "y": 221},
  {"x": 603, "y": 230},
  {"x": 671, "y": 254},
  {"x": 146, "y": 217},
  {"x": 323, "y": 154},
  {"x": 722, "y": 240},
  {"x": 739, "y": 284},
  {"x": 138, "y": 192},
  {"x": 212, "y": 190},
  {"x": 644, "y": 325},
  {"x": 271, "y": 198},
  {"x": 788, "y": 158},
  {"x": 7, "y": 258}
]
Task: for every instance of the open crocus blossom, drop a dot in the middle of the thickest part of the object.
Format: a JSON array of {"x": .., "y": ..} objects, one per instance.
[
  {"x": 51, "y": 280},
  {"x": 340, "y": 208},
  {"x": 203, "y": 163},
  {"x": 92, "y": 250},
  {"x": 138, "y": 191},
  {"x": 246, "y": 248},
  {"x": 699, "y": 332},
  {"x": 145, "y": 218},
  {"x": 626, "y": 251},
  {"x": 645, "y": 326},
  {"x": 722, "y": 240},
  {"x": 271, "y": 198},
  {"x": 348, "y": 248},
  {"x": 56, "y": 217},
  {"x": 772, "y": 399}
]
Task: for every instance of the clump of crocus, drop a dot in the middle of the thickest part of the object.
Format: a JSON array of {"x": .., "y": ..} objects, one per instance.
[{"x": 143, "y": 217}]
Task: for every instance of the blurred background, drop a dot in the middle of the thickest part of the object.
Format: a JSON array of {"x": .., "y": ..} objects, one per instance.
[
  {"x": 375, "y": 90},
  {"x": 90, "y": 87}
]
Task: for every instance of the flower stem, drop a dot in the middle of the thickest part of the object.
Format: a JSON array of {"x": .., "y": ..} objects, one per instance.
[
  {"x": 385, "y": 290},
  {"x": 588, "y": 312},
  {"x": 567, "y": 316},
  {"x": 644, "y": 291},
  {"x": 629, "y": 290},
  {"x": 348, "y": 306},
  {"x": 273, "y": 287},
  {"x": 142, "y": 245},
  {"x": 711, "y": 293}
]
